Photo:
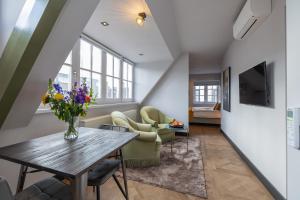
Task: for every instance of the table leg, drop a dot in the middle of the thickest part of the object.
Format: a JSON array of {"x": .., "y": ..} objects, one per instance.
[
  {"x": 79, "y": 185},
  {"x": 124, "y": 175},
  {"x": 21, "y": 179},
  {"x": 187, "y": 142}
]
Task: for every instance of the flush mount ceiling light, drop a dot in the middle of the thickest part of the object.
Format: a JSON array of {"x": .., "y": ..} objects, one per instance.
[
  {"x": 141, "y": 54},
  {"x": 141, "y": 18},
  {"x": 105, "y": 23}
]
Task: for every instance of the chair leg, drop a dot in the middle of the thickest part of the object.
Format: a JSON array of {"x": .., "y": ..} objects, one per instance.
[{"x": 98, "y": 192}]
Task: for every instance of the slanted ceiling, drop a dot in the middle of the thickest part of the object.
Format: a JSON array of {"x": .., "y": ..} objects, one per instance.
[{"x": 58, "y": 44}]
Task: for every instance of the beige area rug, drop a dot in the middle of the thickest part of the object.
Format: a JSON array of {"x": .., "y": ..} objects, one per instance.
[{"x": 180, "y": 171}]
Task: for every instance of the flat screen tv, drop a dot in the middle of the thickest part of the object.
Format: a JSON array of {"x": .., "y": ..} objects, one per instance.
[{"x": 254, "y": 86}]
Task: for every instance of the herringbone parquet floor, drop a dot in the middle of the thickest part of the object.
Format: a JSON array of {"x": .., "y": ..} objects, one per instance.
[{"x": 227, "y": 176}]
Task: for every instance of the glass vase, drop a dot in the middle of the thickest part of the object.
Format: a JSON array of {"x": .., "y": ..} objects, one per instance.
[{"x": 72, "y": 128}]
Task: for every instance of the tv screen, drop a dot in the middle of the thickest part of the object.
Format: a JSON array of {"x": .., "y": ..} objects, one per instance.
[{"x": 254, "y": 86}]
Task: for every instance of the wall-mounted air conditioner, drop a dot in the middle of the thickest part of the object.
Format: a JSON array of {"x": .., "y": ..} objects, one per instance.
[{"x": 253, "y": 14}]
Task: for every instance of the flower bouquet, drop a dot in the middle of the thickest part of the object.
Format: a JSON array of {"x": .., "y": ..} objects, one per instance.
[{"x": 69, "y": 105}]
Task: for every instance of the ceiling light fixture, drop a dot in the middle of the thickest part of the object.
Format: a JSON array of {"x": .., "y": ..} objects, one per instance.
[
  {"x": 105, "y": 23},
  {"x": 141, "y": 54},
  {"x": 141, "y": 18}
]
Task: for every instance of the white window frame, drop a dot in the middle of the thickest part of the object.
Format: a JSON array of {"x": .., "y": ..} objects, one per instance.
[
  {"x": 91, "y": 71},
  {"x": 205, "y": 85},
  {"x": 76, "y": 70},
  {"x": 127, "y": 80}
]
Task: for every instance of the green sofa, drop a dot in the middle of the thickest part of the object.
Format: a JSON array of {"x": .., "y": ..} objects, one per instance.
[
  {"x": 143, "y": 151},
  {"x": 159, "y": 121}
]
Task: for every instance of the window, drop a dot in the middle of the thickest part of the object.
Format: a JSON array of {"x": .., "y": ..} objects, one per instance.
[
  {"x": 64, "y": 76},
  {"x": 212, "y": 93},
  {"x": 127, "y": 81},
  {"x": 199, "y": 94},
  {"x": 206, "y": 93},
  {"x": 90, "y": 66},
  {"x": 112, "y": 76}
]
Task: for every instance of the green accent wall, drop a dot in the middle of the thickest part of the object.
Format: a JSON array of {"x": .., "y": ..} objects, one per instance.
[{"x": 31, "y": 31}]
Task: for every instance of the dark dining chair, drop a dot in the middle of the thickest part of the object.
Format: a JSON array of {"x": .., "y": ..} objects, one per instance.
[
  {"x": 47, "y": 189},
  {"x": 107, "y": 168}
]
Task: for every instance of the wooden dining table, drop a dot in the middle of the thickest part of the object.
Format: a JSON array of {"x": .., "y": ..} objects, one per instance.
[{"x": 69, "y": 159}]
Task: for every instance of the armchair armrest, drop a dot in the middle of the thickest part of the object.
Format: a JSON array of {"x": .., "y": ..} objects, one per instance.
[
  {"x": 146, "y": 136},
  {"x": 168, "y": 119},
  {"x": 150, "y": 121},
  {"x": 144, "y": 127}
]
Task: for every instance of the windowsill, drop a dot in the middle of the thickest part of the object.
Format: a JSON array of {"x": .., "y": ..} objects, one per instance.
[{"x": 95, "y": 106}]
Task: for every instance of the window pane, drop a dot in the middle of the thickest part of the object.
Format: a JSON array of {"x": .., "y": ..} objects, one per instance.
[
  {"x": 130, "y": 96},
  {"x": 69, "y": 59},
  {"x": 85, "y": 55},
  {"x": 64, "y": 77},
  {"x": 109, "y": 64},
  {"x": 201, "y": 98},
  {"x": 209, "y": 98},
  {"x": 209, "y": 87},
  {"x": 116, "y": 67},
  {"x": 130, "y": 72},
  {"x": 202, "y": 87},
  {"x": 116, "y": 88},
  {"x": 197, "y": 87},
  {"x": 197, "y": 92},
  {"x": 125, "y": 90},
  {"x": 109, "y": 87},
  {"x": 85, "y": 75},
  {"x": 209, "y": 92},
  {"x": 201, "y": 92},
  {"x": 96, "y": 84},
  {"x": 125, "y": 67},
  {"x": 215, "y": 87},
  {"x": 97, "y": 59}
]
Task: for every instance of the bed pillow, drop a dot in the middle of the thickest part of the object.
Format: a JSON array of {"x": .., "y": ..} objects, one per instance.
[{"x": 217, "y": 106}]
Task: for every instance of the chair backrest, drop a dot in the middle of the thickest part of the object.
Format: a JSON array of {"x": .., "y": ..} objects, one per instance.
[
  {"x": 5, "y": 192},
  {"x": 120, "y": 119},
  {"x": 151, "y": 112}
]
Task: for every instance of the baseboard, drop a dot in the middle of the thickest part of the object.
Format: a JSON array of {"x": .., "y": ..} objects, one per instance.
[
  {"x": 204, "y": 124},
  {"x": 274, "y": 192}
]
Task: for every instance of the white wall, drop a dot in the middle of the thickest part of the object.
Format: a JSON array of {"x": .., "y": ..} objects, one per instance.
[
  {"x": 260, "y": 131},
  {"x": 146, "y": 76},
  {"x": 9, "y": 12},
  {"x": 163, "y": 14},
  {"x": 205, "y": 69},
  {"x": 293, "y": 92},
  {"x": 43, "y": 124},
  {"x": 170, "y": 94}
]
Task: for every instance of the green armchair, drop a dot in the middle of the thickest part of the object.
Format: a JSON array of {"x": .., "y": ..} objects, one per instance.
[
  {"x": 143, "y": 151},
  {"x": 159, "y": 121}
]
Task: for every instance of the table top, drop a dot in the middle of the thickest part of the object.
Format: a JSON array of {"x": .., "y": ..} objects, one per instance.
[{"x": 56, "y": 155}]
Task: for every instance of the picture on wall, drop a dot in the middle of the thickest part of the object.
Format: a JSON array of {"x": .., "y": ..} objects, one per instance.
[{"x": 226, "y": 89}]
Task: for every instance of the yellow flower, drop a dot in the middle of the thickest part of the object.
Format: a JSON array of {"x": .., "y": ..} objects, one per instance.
[
  {"x": 58, "y": 96},
  {"x": 45, "y": 99}
]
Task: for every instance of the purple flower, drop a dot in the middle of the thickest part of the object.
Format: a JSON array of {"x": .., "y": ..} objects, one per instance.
[
  {"x": 58, "y": 88},
  {"x": 80, "y": 96}
]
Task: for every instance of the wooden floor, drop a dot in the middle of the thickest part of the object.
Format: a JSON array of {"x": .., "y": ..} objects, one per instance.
[{"x": 227, "y": 176}]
